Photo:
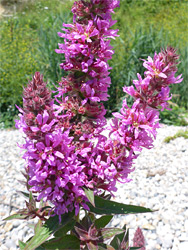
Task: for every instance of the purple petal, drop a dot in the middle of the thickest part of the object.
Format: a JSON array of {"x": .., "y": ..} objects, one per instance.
[
  {"x": 59, "y": 154},
  {"x": 34, "y": 129},
  {"x": 162, "y": 75}
]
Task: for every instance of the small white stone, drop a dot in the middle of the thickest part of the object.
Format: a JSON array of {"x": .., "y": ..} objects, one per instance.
[
  {"x": 183, "y": 237},
  {"x": 183, "y": 245},
  {"x": 176, "y": 242},
  {"x": 153, "y": 236},
  {"x": 186, "y": 226},
  {"x": 167, "y": 241},
  {"x": 151, "y": 244},
  {"x": 16, "y": 223},
  {"x": 10, "y": 243},
  {"x": 3, "y": 247}
]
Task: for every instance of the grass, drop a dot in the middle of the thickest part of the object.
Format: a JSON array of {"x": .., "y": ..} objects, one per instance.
[
  {"x": 29, "y": 39},
  {"x": 171, "y": 15}
]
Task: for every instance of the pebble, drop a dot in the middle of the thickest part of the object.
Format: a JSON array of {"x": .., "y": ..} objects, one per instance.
[
  {"x": 160, "y": 182},
  {"x": 167, "y": 240},
  {"x": 183, "y": 245}
]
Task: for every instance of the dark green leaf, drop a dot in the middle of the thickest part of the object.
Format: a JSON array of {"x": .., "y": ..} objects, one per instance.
[
  {"x": 67, "y": 227},
  {"x": 134, "y": 248},
  {"x": 103, "y": 221},
  {"x": 115, "y": 241},
  {"x": 65, "y": 243},
  {"x": 111, "y": 207},
  {"x": 102, "y": 246},
  {"x": 49, "y": 227},
  {"x": 86, "y": 222},
  {"x": 90, "y": 195},
  {"x": 40, "y": 248}
]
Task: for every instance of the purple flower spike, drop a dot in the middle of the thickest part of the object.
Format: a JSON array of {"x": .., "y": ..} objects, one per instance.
[{"x": 65, "y": 149}]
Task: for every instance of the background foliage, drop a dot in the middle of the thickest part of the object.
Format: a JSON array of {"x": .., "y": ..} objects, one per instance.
[{"x": 29, "y": 38}]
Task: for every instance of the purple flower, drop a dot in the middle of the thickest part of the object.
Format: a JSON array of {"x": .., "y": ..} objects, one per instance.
[{"x": 155, "y": 67}]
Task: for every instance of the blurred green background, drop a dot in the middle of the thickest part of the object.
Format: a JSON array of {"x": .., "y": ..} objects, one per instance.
[{"x": 28, "y": 33}]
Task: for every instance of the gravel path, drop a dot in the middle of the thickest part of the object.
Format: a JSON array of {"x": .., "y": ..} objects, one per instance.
[{"x": 160, "y": 182}]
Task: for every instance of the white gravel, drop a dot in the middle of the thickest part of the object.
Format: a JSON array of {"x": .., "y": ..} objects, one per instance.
[{"x": 159, "y": 182}]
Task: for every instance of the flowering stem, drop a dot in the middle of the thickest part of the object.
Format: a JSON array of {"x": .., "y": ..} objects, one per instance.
[
  {"x": 66, "y": 150},
  {"x": 77, "y": 217}
]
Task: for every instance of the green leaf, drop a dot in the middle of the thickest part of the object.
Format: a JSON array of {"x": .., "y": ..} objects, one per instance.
[
  {"x": 49, "y": 227},
  {"x": 26, "y": 195},
  {"x": 67, "y": 227},
  {"x": 90, "y": 195},
  {"x": 21, "y": 244},
  {"x": 108, "y": 233},
  {"x": 32, "y": 202},
  {"x": 111, "y": 207},
  {"x": 15, "y": 216},
  {"x": 103, "y": 221},
  {"x": 65, "y": 243},
  {"x": 119, "y": 238},
  {"x": 102, "y": 248},
  {"x": 38, "y": 226}
]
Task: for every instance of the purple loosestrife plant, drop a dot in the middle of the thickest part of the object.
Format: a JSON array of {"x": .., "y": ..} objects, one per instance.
[{"x": 71, "y": 167}]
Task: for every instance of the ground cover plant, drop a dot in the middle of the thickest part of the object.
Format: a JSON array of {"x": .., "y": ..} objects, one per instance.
[
  {"x": 163, "y": 23},
  {"x": 180, "y": 133},
  {"x": 72, "y": 168}
]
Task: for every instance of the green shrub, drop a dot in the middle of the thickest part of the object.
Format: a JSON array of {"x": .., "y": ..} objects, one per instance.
[
  {"x": 19, "y": 61},
  {"x": 48, "y": 42},
  {"x": 180, "y": 91},
  {"x": 176, "y": 116}
]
